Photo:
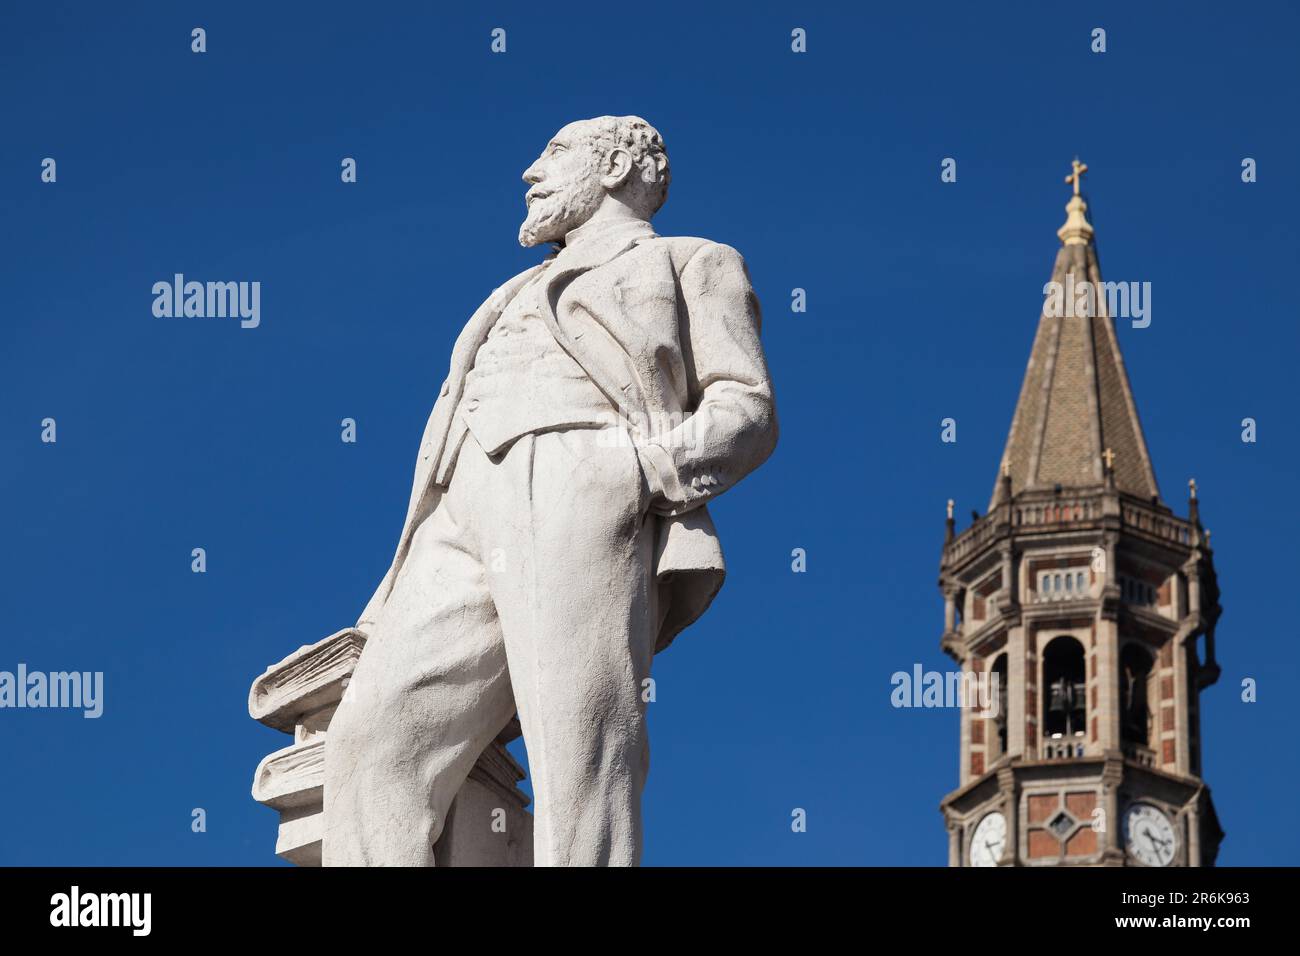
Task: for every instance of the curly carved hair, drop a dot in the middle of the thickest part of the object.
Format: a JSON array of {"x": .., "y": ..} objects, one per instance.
[{"x": 648, "y": 154}]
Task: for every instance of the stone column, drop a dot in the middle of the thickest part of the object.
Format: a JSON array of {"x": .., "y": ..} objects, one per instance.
[
  {"x": 1112, "y": 774},
  {"x": 1193, "y": 820},
  {"x": 1183, "y": 689},
  {"x": 1016, "y": 669},
  {"x": 1010, "y": 810}
]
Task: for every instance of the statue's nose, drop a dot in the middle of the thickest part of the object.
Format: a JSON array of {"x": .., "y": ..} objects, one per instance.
[{"x": 533, "y": 174}]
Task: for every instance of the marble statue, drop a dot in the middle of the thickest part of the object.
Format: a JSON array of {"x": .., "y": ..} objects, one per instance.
[{"x": 558, "y": 533}]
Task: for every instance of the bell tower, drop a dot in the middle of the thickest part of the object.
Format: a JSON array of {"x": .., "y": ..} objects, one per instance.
[{"x": 1086, "y": 598}]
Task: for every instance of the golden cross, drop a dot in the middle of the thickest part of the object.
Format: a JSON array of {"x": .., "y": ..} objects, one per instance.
[
  {"x": 1077, "y": 176},
  {"x": 1108, "y": 457}
]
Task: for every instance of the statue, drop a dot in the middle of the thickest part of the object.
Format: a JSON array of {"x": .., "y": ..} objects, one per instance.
[{"x": 558, "y": 534}]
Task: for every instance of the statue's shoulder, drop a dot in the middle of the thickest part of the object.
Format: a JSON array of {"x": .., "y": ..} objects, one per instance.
[
  {"x": 521, "y": 277},
  {"x": 503, "y": 293},
  {"x": 683, "y": 249}
]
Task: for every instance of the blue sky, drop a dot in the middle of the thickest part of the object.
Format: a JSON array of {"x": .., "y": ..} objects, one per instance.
[{"x": 822, "y": 169}]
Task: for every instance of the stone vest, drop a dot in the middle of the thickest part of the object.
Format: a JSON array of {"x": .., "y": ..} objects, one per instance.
[{"x": 522, "y": 381}]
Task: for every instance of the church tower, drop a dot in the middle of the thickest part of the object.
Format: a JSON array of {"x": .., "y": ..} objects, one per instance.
[{"x": 1082, "y": 598}]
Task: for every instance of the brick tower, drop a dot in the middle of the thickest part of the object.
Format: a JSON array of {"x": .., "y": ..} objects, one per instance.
[{"x": 1086, "y": 596}]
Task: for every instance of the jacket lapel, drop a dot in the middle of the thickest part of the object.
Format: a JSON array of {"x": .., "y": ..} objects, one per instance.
[
  {"x": 480, "y": 324},
  {"x": 571, "y": 264}
]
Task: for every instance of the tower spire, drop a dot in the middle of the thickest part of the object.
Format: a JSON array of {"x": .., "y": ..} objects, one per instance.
[{"x": 1075, "y": 402}]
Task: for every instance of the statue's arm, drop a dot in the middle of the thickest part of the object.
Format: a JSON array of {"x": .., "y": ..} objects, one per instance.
[{"x": 733, "y": 428}]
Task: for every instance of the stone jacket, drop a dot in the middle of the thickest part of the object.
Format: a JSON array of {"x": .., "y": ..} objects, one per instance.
[{"x": 668, "y": 329}]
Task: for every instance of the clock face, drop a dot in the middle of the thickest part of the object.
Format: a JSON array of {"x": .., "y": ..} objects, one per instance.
[
  {"x": 1149, "y": 835},
  {"x": 989, "y": 841}
]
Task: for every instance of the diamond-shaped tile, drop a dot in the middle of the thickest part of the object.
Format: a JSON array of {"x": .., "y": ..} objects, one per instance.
[{"x": 1061, "y": 824}]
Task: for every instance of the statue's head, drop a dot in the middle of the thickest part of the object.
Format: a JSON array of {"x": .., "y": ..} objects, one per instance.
[{"x": 609, "y": 159}]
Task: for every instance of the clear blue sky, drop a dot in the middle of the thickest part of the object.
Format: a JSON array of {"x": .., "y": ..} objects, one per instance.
[{"x": 822, "y": 169}]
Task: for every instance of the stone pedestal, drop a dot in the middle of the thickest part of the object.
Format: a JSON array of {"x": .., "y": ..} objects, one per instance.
[{"x": 487, "y": 825}]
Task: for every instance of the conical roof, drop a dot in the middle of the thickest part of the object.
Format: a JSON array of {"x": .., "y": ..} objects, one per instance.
[{"x": 1075, "y": 402}]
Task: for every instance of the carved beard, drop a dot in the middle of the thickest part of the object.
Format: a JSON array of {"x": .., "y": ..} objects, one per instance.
[{"x": 571, "y": 204}]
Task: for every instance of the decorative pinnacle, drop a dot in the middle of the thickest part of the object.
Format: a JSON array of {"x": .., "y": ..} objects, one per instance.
[
  {"x": 1077, "y": 231},
  {"x": 1191, "y": 487},
  {"x": 949, "y": 509}
]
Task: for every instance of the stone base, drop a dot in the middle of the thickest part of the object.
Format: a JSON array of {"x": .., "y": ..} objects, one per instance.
[{"x": 488, "y": 823}]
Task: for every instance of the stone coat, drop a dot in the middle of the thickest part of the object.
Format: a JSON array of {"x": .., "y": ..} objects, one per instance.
[{"x": 668, "y": 329}]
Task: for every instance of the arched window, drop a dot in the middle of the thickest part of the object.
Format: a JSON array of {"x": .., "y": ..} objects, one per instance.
[
  {"x": 1135, "y": 664},
  {"x": 1065, "y": 710}
]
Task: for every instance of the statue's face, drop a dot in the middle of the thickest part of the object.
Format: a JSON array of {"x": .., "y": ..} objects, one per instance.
[{"x": 565, "y": 186}]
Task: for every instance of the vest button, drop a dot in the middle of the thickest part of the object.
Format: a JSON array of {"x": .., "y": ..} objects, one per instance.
[{"x": 471, "y": 405}]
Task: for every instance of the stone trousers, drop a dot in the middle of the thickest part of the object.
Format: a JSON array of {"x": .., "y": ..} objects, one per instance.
[{"x": 528, "y": 588}]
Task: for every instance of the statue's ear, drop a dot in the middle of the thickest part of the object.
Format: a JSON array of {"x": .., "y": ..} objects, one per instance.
[{"x": 617, "y": 168}]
